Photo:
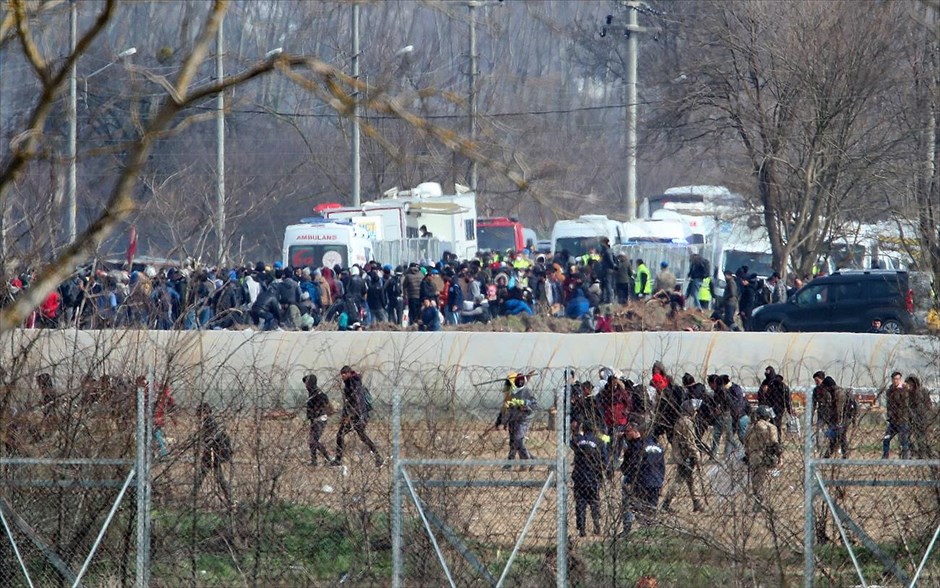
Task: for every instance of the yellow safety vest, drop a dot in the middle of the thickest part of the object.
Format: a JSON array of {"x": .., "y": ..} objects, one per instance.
[
  {"x": 705, "y": 290},
  {"x": 642, "y": 270},
  {"x": 521, "y": 263}
]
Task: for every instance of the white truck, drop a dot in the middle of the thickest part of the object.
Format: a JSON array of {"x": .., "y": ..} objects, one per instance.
[
  {"x": 578, "y": 236},
  {"x": 319, "y": 242},
  {"x": 401, "y": 214}
]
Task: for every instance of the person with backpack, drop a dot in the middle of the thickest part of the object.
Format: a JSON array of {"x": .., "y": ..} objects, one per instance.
[
  {"x": 376, "y": 297},
  {"x": 644, "y": 472},
  {"x": 357, "y": 404},
  {"x": 215, "y": 450},
  {"x": 762, "y": 451},
  {"x": 319, "y": 410},
  {"x": 774, "y": 393}
]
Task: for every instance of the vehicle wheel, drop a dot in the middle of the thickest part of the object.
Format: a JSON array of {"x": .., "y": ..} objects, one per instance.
[
  {"x": 775, "y": 327},
  {"x": 892, "y": 327}
]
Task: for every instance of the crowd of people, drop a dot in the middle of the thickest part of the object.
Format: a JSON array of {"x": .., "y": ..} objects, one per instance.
[
  {"x": 618, "y": 423},
  {"x": 425, "y": 295}
]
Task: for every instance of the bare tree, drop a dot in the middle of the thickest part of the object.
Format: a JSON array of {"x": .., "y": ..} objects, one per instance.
[{"x": 792, "y": 89}]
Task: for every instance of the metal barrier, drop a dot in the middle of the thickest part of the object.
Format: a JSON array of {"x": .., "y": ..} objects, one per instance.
[{"x": 404, "y": 251}]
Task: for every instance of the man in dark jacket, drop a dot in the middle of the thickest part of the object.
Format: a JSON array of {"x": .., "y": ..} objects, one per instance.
[
  {"x": 266, "y": 309},
  {"x": 773, "y": 392},
  {"x": 318, "y": 411},
  {"x": 898, "y": 415},
  {"x": 215, "y": 450},
  {"x": 607, "y": 271},
  {"x": 377, "y": 298},
  {"x": 837, "y": 421},
  {"x": 355, "y": 415},
  {"x": 698, "y": 271},
  {"x": 729, "y": 301},
  {"x": 411, "y": 288},
  {"x": 644, "y": 471},
  {"x": 590, "y": 455}
]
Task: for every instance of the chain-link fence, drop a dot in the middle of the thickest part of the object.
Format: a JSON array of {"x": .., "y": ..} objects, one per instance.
[{"x": 253, "y": 510}]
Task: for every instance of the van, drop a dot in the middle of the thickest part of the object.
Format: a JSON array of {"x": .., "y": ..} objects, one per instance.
[{"x": 845, "y": 301}]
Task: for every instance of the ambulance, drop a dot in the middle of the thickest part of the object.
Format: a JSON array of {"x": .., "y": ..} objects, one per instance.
[{"x": 319, "y": 242}]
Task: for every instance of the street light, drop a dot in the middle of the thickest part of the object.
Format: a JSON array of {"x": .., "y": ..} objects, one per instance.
[
  {"x": 126, "y": 53},
  {"x": 71, "y": 192}
]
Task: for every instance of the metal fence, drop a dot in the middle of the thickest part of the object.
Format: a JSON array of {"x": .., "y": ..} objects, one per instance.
[
  {"x": 443, "y": 508},
  {"x": 404, "y": 251},
  {"x": 653, "y": 254}
]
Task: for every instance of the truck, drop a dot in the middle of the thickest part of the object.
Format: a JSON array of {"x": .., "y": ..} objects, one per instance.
[
  {"x": 322, "y": 242},
  {"x": 499, "y": 234},
  {"x": 578, "y": 236}
]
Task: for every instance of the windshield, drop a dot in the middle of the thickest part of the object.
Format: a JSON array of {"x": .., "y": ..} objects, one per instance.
[
  {"x": 761, "y": 264},
  {"x": 315, "y": 256},
  {"x": 577, "y": 246},
  {"x": 496, "y": 238},
  {"x": 848, "y": 256}
]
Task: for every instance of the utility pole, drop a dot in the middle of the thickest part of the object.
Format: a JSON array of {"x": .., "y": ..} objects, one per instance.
[
  {"x": 3, "y": 199},
  {"x": 472, "y": 90},
  {"x": 632, "y": 50},
  {"x": 71, "y": 200},
  {"x": 631, "y": 31},
  {"x": 220, "y": 148},
  {"x": 355, "y": 116}
]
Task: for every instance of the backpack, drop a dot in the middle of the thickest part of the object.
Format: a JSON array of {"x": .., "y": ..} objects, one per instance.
[
  {"x": 367, "y": 399},
  {"x": 851, "y": 405},
  {"x": 222, "y": 447}
]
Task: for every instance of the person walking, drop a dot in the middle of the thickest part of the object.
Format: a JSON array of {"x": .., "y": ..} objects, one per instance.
[
  {"x": 774, "y": 393},
  {"x": 898, "y": 415},
  {"x": 162, "y": 408},
  {"x": 590, "y": 455},
  {"x": 215, "y": 450},
  {"x": 319, "y": 410},
  {"x": 686, "y": 456},
  {"x": 923, "y": 418},
  {"x": 762, "y": 451},
  {"x": 517, "y": 414},
  {"x": 356, "y": 409},
  {"x": 644, "y": 471},
  {"x": 837, "y": 418},
  {"x": 729, "y": 302}
]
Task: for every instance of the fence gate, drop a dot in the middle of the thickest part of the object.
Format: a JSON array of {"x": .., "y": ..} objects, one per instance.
[
  {"x": 865, "y": 522},
  {"x": 472, "y": 518},
  {"x": 44, "y": 484}
]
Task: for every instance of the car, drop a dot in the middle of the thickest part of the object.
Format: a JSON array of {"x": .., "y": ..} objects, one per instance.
[{"x": 844, "y": 301}]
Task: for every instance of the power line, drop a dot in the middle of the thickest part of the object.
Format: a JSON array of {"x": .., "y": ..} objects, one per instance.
[{"x": 435, "y": 116}]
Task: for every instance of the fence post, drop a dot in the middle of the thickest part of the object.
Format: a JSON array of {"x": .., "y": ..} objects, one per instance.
[
  {"x": 809, "y": 526},
  {"x": 396, "y": 488},
  {"x": 561, "y": 488}
]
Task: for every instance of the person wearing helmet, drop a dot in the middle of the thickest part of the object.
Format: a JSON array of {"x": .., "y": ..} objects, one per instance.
[
  {"x": 518, "y": 409},
  {"x": 761, "y": 451},
  {"x": 686, "y": 455}
]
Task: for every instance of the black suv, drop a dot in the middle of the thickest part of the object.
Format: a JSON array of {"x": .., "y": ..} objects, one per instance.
[{"x": 845, "y": 301}]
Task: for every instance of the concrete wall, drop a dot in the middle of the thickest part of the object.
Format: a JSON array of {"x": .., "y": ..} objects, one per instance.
[{"x": 220, "y": 360}]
